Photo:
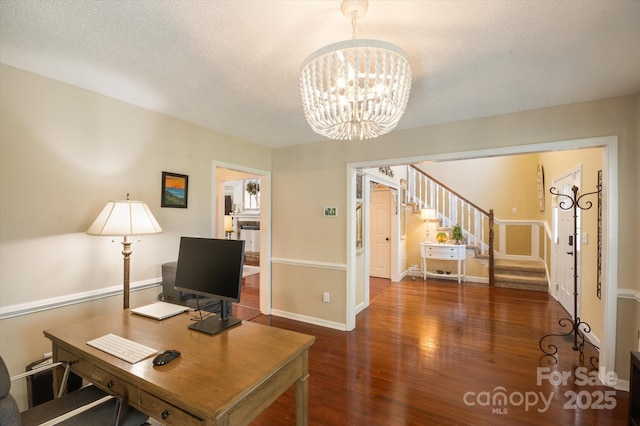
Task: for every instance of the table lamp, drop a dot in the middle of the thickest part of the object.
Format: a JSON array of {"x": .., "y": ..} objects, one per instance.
[
  {"x": 428, "y": 215},
  {"x": 228, "y": 226},
  {"x": 123, "y": 219}
]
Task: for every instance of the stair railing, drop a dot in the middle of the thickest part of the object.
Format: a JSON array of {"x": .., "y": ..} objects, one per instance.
[
  {"x": 451, "y": 208},
  {"x": 478, "y": 225}
]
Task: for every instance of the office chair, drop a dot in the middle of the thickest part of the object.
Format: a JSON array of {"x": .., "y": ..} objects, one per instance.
[{"x": 86, "y": 406}]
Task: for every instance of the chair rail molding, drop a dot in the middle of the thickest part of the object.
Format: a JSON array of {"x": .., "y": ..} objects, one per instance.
[{"x": 39, "y": 305}]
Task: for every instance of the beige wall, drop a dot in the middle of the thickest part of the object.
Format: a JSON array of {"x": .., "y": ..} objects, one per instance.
[
  {"x": 498, "y": 183},
  {"x": 64, "y": 152},
  {"x": 295, "y": 169}
]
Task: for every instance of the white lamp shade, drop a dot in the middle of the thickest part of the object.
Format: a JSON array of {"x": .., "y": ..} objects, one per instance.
[
  {"x": 120, "y": 218},
  {"x": 428, "y": 214},
  {"x": 228, "y": 224}
]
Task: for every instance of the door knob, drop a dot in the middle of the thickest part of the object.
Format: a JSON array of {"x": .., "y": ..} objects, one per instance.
[
  {"x": 570, "y": 252},
  {"x": 387, "y": 239}
]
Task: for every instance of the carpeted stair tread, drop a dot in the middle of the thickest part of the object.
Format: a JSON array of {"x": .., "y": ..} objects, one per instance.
[
  {"x": 521, "y": 265},
  {"x": 521, "y": 286},
  {"x": 521, "y": 279},
  {"x": 521, "y": 274}
]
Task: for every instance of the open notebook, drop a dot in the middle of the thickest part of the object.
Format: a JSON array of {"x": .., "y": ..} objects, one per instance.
[{"x": 160, "y": 310}]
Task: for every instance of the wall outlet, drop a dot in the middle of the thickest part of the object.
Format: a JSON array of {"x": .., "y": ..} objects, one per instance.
[{"x": 325, "y": 297}]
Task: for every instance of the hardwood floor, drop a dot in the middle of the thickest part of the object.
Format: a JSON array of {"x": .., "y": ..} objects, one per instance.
[
  {"x": 439, "y": 353},
  {"x": 249, "y": 305}
]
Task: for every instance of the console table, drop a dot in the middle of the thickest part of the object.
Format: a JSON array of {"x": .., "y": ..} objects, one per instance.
[
  {"x": 458, "y": 253},
  {"x": 225, "y": 379}
]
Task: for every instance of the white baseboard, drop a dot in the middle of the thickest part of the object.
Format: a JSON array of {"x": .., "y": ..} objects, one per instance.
[
  {"x": 622, "y": 385},
  {"x": 309, "y": 320}
]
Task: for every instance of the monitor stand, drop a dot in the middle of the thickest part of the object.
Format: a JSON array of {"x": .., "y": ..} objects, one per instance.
[{"x": 216, "y": 324}]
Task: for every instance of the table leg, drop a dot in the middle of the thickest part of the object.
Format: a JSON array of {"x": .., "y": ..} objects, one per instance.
[
  {"x": 464, "y": 270},
  {"x": 424, "y": 268},
  {"x": 302, "y": 392}
]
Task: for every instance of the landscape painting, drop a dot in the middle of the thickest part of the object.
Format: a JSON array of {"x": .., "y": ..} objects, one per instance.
[{"x": 174, "y": 190}]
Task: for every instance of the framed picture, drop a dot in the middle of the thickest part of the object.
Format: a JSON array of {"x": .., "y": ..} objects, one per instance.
[
  {"x": 540, "y": 180},
  {"x": 175, "y": 189},
  {"x": 330, "y": 212}
]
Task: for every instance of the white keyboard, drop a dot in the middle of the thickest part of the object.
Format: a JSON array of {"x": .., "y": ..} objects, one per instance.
[{"x": 122, "y": 348}]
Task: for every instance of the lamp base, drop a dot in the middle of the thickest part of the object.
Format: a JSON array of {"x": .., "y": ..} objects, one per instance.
[{"x": 126, "y": 252}]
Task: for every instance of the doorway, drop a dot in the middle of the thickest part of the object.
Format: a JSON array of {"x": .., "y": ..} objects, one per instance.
[
  {"x": 610, "y": 227},
  {"x": 380, "y": 232},
  {"x": 250, "y": 224},
  {"x": 564, "y": 246}
]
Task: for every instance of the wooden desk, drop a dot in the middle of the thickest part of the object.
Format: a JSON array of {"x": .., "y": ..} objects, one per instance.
[{"x": 225, "y": 379}]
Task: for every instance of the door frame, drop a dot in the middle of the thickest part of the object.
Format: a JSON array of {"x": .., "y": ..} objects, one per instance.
[
  {"x": 368, "y": 182},
  {"x": 609, "y": 224},
  {"x": 388, "y": 194},
  {"x": 217, "y": 217}
]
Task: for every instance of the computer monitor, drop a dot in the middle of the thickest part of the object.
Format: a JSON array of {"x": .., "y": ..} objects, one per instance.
[{"x": 211, "y": 267}]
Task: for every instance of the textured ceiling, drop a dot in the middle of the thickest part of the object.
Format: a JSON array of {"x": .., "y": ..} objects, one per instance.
[{"x": 233, "y": 65}]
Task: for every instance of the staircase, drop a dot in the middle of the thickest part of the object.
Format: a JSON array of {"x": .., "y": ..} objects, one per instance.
[
  {"x": 521, "y": 274},
  {"x": 522, "y": 269}
]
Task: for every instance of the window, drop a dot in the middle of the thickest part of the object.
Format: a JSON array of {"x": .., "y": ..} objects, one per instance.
[{"x": 251, "y": 199}]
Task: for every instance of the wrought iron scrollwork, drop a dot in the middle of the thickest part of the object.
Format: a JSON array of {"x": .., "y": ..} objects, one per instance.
[{"x": 576, "y": 327}]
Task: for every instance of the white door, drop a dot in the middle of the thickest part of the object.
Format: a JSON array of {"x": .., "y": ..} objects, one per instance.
[
  {"x": 565, "y": 247},
  {"x": 380, "y": 233}
]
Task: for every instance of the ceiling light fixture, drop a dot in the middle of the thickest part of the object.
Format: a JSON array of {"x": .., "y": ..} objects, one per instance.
[{"x": 355, "y": 89}]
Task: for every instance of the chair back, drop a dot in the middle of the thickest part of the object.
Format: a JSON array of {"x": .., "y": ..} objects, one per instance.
[{"x": 9, "y": 412}]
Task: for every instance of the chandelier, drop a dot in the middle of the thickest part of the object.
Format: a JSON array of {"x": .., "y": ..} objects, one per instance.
[{"x": 355, "y": 89}]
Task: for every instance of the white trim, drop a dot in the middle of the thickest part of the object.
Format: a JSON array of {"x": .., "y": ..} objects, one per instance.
[
  {"x": 352, "y": 251},
  {"x": 627, "y": 293},
  {"x": 27, "y": 308},
  {"x": 591, "y": 337},
  {"x": 621, "y": 385},
  {"x": 394, "y": 254},
  {"x": 265, "y": 224},
  {"x": 309, "y": 320},
  {"x": 610, "y": 248},
  {"x": 361, "y": 307},
  {"x": 309, "y": 263}
]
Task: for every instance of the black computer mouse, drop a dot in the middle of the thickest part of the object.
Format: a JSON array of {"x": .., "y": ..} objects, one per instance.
[{"x": 166, "y": 357}]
